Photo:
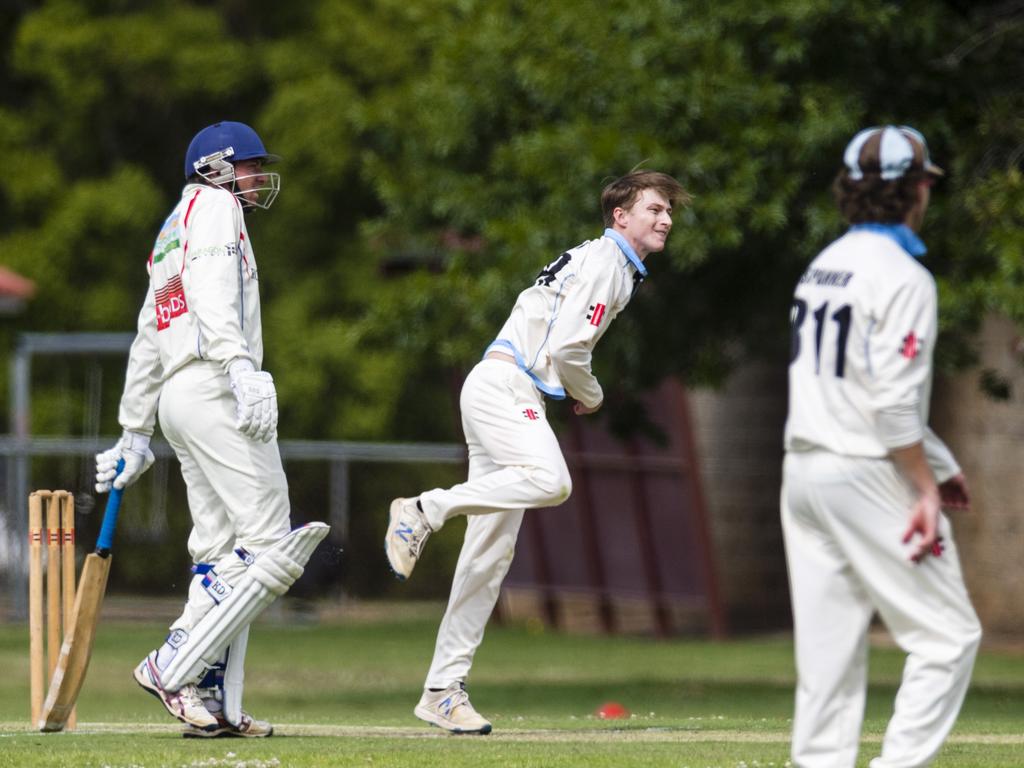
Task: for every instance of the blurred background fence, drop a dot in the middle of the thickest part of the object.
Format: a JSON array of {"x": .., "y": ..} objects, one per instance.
[
  {"x": 327, "y": 478},
  {"x": 630, "y": 552}
]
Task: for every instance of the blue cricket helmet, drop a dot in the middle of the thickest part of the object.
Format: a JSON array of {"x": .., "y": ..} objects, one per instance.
[{"x": 227, "y": 140}]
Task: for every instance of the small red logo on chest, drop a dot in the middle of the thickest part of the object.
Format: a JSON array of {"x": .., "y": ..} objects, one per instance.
[
  {"x": 596, "y": 314},
  {"x": 531, "y": 414}
]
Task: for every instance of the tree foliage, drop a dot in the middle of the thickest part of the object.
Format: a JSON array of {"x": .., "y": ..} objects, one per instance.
[{"x": 439, "y": 152}]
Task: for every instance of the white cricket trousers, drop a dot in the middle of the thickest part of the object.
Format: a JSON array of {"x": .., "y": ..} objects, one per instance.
[
  {"x": 237, "y": 490},
  {"x": 843, "y": 520},
  {"x": 515, "y": 463}
]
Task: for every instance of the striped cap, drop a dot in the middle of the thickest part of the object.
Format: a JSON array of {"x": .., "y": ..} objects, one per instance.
[{"x": 890, "y": 151}]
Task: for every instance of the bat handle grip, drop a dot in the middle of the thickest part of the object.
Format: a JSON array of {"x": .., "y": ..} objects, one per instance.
[{"x": 106, "y": 538}]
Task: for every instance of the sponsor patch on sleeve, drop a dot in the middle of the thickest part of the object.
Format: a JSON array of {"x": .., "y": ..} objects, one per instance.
[
  {"x": 596, "y": 314},
  {"x": 911, "y": 346}
]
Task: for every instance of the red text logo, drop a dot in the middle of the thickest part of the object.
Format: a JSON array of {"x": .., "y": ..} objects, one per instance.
[{"x": 170, "y": 302}]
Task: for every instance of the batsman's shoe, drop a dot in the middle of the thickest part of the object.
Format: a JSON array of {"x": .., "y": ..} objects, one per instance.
[
  {"x": 450, "y": 709},
  {"x": 248, "y": 728},
  {"x": 408, "y": 531},
  {"x": 183, "y": 704}
]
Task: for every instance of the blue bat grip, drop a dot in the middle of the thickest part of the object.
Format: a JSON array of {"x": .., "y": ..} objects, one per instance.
[{"x": 106, "y": 537}]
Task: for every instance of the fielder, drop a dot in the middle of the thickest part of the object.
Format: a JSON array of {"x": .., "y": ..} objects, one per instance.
[
  {"x": 864, "y": 478},
  {"x": 196, "y": 360},
  {"x": 515, "y": 462}
]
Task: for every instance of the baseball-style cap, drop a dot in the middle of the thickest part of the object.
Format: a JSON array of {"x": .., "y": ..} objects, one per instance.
[{"x": 890, "y": 151}]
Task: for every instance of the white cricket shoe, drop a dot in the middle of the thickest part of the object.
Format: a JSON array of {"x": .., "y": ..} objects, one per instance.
[
  {"x": 408, "y": 531},
  {"x": 450, "y": 709},
  {"x": 183, "y": 704},
  {"x": 248, "y": 728}
]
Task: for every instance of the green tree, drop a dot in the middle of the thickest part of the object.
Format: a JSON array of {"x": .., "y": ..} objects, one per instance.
[
  {"x": 438, "y": 152},
  {"x": 523, "y": 110}
]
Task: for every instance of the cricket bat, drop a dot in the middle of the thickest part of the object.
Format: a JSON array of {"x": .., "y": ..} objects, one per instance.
[{"x": 76, "y": 650}]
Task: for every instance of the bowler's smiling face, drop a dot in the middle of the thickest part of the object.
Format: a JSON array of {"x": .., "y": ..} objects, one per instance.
[{"x": 646, "y": 223}]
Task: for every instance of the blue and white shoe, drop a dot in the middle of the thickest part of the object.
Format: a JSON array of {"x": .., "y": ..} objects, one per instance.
[
  {"x": 408, "y": 531},
  {"x": 450, "y": 709}
]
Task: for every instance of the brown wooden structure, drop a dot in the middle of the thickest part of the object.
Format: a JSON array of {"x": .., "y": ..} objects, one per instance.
[{"x": 634, "y": 530}]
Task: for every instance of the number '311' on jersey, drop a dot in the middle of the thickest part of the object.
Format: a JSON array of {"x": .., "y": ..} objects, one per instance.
[{"x": 863, "y": 323}]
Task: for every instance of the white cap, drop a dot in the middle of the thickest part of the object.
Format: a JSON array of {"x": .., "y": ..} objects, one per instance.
[{"x": 890, "y": 151}]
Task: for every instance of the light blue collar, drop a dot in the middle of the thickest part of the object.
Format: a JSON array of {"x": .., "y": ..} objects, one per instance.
[
  {"x": 627, "y": 249},
  {"x": 904, "y": 236}
]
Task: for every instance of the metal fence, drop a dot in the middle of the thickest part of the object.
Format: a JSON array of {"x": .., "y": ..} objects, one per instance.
[
  {"x": 338, "y": 456},
  {"x": 18, "y": 449}
]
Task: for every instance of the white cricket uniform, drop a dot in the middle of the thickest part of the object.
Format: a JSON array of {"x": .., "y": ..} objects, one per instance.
[
  {"x": 864, "y": 327},
  {"x": 515, "y": 462},
  {"x": 201, "y": 312}
]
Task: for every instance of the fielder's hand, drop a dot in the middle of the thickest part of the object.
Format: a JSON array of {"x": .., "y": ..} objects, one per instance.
[
  {"x": 923, "y": 523},
  {"x": 256, "y": 410},
  {"x": 133, "y": 447}
]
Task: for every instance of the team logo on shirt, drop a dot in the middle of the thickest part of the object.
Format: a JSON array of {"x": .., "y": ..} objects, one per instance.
[
  {"x": 911, "y": 346},
  {"x": 596, "y": 314},
  {"x": 170, "y": 302},
  {"x": 167, "y": 240},
  {"x": 531, "y": 414}
]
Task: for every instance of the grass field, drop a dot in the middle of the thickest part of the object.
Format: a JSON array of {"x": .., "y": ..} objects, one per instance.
[{"x": 341, "y": 694}]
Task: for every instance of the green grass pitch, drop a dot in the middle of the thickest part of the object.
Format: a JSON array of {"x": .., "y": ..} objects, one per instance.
[{"x": 341, "y": 693}]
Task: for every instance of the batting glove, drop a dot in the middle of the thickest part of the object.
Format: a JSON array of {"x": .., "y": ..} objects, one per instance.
[
  {"x": 256, "y": 397},
  {"x": 133, "y": 447}
]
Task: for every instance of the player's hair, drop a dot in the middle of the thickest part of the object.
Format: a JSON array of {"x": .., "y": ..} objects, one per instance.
[
  {"x": 624, "y": 191},
  {"x": 873, "y": 199}
]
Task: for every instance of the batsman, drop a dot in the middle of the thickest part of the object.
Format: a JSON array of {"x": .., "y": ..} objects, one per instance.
[{"x": 196, "y": 364}]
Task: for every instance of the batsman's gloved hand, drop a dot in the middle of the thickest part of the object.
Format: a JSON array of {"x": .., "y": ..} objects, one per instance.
[
  {"x": 133, "y": 447},
  {"x": 256, "y": 410}
]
